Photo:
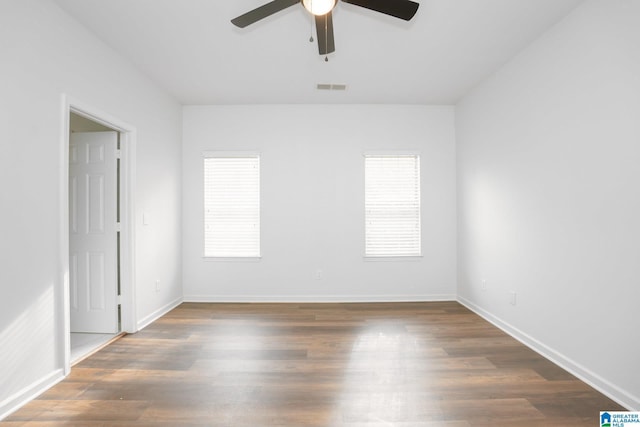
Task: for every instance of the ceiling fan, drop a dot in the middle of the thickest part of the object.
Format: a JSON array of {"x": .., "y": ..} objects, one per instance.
[{"x": 321, "y": 9}]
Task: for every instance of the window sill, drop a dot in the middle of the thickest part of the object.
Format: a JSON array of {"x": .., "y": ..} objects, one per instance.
[
  {"x": 231, "y": 259},
  {"x": 410, "y": 258}
]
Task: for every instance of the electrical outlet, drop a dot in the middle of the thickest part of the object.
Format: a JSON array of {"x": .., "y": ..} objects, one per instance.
[
  {"x": 318, "y": 274},
  {"x": 512, "y": 297},
  {"x": 158, "y": 285}
]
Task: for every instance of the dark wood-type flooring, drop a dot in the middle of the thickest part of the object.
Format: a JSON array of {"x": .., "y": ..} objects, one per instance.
[{"x": 355, "y": 365}]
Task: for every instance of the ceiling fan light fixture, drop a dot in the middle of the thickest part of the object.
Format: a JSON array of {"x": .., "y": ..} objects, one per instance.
[{"x": 319, "y": 7}]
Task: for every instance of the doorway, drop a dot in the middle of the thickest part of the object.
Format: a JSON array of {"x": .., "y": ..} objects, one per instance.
[
  {"x": 97, "y": 231},
  {"x": 94, "y": 274},
  {"x": 94, "y": 239}
]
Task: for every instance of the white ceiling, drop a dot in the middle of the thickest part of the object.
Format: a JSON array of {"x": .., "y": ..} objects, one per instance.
[{"x": 191, "y": 49}]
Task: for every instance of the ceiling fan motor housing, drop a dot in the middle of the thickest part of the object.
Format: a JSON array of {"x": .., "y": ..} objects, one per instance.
[{"x": 319, "y": 7}]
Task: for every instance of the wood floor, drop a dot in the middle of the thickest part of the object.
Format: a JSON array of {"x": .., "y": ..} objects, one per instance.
[{"x": 355, "y": 365}]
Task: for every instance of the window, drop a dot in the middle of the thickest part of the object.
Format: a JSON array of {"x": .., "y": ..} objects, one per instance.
[
  {"x": 231, "y": 205},
  {"x": 392, "y": 205}
]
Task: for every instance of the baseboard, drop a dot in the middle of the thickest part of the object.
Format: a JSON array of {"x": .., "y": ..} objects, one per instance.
[
  {"x": 147, "y": 320},
  {"x": 317, "y": 298},
  {"x": 27, "y": 394},
  {"x": 605, "y": 387},
  {"x": 17, "y": 400}
]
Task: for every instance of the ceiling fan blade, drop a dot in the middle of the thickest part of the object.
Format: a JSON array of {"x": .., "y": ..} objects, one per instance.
[
  {"x": 262, "y": 12},
  {"x": 403, "y": 9},
  {"x": 324, "y": 31}
]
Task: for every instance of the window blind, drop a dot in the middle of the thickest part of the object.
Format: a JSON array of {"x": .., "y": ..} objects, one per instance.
[
  {"x": 232, "y": 206},
  {"x": 392, "y": 205}
]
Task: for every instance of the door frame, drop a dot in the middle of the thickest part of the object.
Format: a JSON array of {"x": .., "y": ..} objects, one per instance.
[{"x": 127, "y": 222}]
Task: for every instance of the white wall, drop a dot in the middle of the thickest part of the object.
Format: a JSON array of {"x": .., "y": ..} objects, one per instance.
[
  {"x": 312, "y": 183},
  {"x": 44, "y": 53},
  {"x": 548, "y": 199}
]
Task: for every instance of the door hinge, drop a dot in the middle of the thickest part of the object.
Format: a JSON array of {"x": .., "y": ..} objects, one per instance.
[
  {"x": 118, "y": 227},
  {"x": 118, "y": 153}
]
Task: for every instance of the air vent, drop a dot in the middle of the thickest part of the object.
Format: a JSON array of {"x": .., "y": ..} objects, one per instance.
[{"x": 326, "y": 86}]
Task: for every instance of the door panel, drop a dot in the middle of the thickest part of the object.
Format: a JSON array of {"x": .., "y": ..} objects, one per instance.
[
  {"x": 95, "y": 203},
  {"x": 92, "y": 229}
]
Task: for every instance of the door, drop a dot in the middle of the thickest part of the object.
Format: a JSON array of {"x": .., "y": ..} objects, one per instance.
[{"x": 93, "y": 262}]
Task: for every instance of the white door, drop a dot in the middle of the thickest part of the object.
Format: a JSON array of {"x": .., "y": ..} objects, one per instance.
[{"x": 92, "y": 232}]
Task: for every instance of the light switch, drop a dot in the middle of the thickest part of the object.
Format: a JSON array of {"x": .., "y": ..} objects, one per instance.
[{"x": 145, "y": 218}]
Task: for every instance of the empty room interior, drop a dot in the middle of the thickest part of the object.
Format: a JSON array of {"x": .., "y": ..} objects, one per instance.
[{"x": 381, "y": 213}]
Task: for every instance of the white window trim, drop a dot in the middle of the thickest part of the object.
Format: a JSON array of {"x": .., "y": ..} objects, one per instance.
[
  {"x": 392, "y": 153},
  {"x": 393, "y": 258},
  {"x": 231, "y": 154}
]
